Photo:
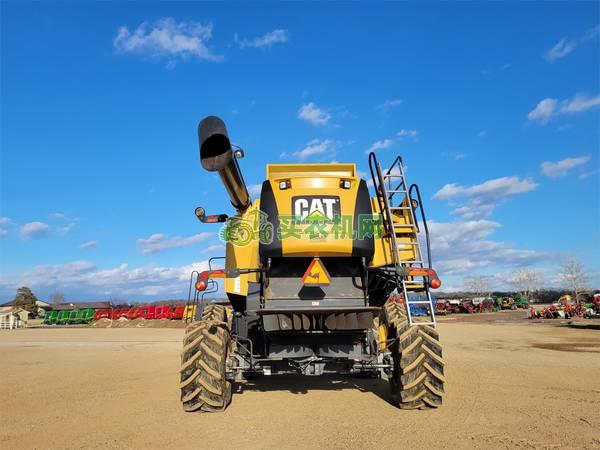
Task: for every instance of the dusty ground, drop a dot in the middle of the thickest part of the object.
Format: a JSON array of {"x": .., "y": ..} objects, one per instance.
[{"x": 511, "y": 384}]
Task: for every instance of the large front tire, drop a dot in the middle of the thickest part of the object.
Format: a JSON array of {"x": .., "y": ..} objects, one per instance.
[
  {"x": 204, "y": 386},
  {"x": 417, "y": 379}
]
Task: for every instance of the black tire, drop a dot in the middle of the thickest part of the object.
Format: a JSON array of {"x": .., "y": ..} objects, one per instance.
[
  {"x": 417, "y": 379},
  {"x": 214, "y": 312},
  {"x": 204, "y": 387}
]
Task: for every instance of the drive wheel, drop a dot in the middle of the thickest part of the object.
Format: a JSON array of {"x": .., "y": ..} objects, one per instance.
[
  {"x": 204, "y": 387},
  {"x": 219, "y": 313},
  {"x": 417, "y": 379},
  {"x": 214, "y": 312}
]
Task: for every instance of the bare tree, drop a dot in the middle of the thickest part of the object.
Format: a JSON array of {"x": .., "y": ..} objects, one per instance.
[
  {"x": 525, "y": 281},
  {"x": 573, "y": 277},
  {"x": 58, "y": 297},
  {"x": 482, "y": 285}
]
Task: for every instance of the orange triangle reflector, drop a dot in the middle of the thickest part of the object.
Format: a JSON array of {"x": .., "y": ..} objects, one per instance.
[{"x": 316, "y": 274}]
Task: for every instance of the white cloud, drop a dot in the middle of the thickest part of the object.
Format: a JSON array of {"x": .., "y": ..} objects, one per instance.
[
  {"x": 379, "y": 145},
  {"x": 566, "y": 45},
  {"x": 586, "y": 175},
  {"x": 89, "y": 244},
  {"x": 3, "y": 222},
  {"x": 158, "y": 242},
  {"x": 591, "y": 33},
  {"x": 561, "y": 168},
  {"x": 311, "y": 113},
  {"x": 459, "y": 155},
  {"x": 551, "y": 107},
  {"x": 278, "y": 36},
  {"x": 315, "y": 147},
  {"x": 33, "y": 230},
  {"x": 560, "y": 50},
  {"x": 215, "y": 248},
  {"x": 407, "y": 133},
  {"x": 579, "y": 103},
  {"x": 388, "y": 105},
  {"x": 254, "y": 189},
  {"x": 543, "y": 110},
  {"x": 462, "y": 247},
  {"x": 167, "y": 38},
  {"x": 483, "y": 198},
  {"x": 83, "y": 277},
  {"x": 63, "y": 231}
]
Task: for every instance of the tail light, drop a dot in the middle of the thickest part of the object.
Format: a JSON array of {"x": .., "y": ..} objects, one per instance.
[{"x": 435, "y": 283}]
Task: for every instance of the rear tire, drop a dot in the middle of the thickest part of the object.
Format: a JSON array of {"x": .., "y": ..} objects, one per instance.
[
  {"x": 204, "y": 387},
  {"x": 417, "y": 379},
  {"x": 214, "y": 312}
]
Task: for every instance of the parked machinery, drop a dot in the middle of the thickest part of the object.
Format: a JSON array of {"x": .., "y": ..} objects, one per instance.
[{"x": 309, "y": 272}]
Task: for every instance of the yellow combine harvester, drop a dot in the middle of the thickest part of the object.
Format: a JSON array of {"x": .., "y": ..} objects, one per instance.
[{"x": 321, "y": 277}]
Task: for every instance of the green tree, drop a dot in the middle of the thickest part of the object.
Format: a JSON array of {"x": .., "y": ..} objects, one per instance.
[{"x": 27, "y": 300}]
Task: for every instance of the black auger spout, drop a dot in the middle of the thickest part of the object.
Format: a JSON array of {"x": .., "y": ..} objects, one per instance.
[{"x": 216, "y": 155}]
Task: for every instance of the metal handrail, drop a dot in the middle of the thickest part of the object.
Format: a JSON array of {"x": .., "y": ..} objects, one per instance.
[{"x": 416, "y": 188}]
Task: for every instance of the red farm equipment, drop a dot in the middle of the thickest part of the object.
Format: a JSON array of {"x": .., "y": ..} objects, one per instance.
[{"x": 163, "y": 312}]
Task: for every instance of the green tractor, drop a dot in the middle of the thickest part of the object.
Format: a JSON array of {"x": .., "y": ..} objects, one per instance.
[
  {"x": 50, "y": 318},
  {"x": 63, "y": 317},
  {"x": 521, "y": 301}
]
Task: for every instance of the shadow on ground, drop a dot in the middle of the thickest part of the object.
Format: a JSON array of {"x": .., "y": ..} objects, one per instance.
[{"x": 298, "y": 384}]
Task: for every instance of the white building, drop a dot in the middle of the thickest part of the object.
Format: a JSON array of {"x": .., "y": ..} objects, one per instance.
[{"x": 12, "y": 317}]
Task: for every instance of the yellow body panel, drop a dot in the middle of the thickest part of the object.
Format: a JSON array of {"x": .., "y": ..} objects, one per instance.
[
  {"x": 189, "y": 312},
  {"x": 307, "y": 180},
  {"x": 243, "y": 257},
  {"x": 286, "y": 171},
  {"x": 315, "y": 184}
]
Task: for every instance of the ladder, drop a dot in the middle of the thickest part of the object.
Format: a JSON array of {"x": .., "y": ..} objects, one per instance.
[{"x": 395, "y": 200}]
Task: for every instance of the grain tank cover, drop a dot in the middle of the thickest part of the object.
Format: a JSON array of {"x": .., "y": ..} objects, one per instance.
[{"x": 275, "y": 171}]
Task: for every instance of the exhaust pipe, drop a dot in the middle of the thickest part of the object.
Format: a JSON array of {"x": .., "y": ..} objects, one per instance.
[{"x": 216, "y": 156}]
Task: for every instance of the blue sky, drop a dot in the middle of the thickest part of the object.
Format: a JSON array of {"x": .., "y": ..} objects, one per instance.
[{"x": 494, "y": 107}]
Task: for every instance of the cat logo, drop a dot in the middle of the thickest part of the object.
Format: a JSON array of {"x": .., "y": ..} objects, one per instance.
[
  {"x": 316, "y": 274},
  {"x": 322, "y": 208}
]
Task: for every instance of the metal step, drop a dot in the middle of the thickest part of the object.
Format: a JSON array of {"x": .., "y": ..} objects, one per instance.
[{"x": 428, "y": 301}]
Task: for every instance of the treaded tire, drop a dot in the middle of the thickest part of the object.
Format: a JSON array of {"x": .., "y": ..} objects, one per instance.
[
  {"x": 217, "y": 312},
  {"x": 417, "y": 379},
  {"x": 214, "y": 312},
  {"x": 204, "y": 387}
]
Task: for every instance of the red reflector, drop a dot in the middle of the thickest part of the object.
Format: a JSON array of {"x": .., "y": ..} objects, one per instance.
[
  {"x": 435, "y": 283},
  {"x": 200, "y": 285}
]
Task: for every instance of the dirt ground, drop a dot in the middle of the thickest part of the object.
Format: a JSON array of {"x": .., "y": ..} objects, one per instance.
[{"x": 510, "y": 383}]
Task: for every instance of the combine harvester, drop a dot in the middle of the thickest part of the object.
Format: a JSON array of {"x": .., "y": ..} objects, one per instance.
[{"x": 321, "y": 278}]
